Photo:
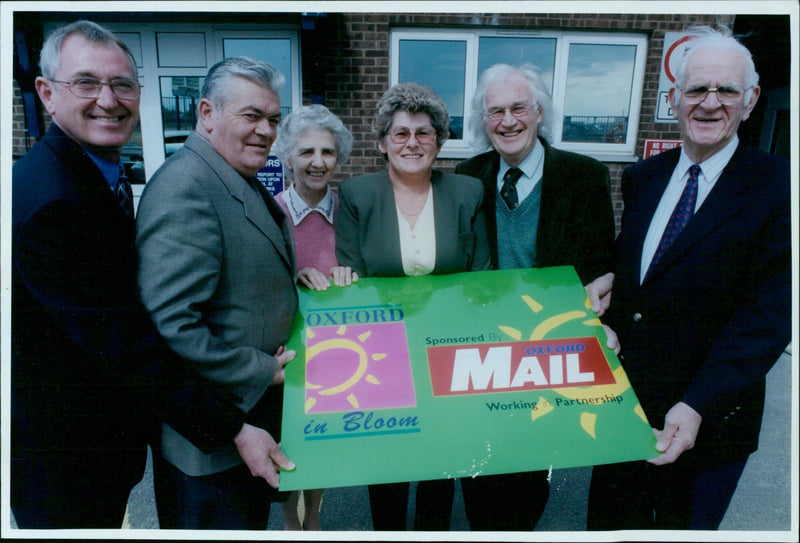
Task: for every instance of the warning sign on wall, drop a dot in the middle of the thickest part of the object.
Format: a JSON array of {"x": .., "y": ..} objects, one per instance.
[
  {"x": 653, "y": 147},
  {"x": 674, "y": 45}
]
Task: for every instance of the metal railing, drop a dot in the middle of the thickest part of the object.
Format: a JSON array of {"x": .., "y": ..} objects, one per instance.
[{"x": 595, "y": 128}]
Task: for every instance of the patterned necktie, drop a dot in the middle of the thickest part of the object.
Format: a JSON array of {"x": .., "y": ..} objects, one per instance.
[
  {"x": 509, "y": 188},
  {"x": 683, "y": 212},
  {"x": 124, "y": 193}
]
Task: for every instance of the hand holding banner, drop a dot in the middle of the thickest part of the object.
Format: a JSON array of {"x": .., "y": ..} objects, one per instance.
[{"x": 430, "y": 377}]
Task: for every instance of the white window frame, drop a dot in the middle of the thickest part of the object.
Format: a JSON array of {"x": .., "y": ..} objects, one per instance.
[
  {"x": 452, "y": 148},
  {"x": 150, "y": 73},
  {"x": 602, "y": 151}
]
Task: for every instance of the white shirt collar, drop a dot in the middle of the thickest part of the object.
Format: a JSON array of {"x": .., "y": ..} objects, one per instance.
[
  {"x": 299, "y": 209},
  {"x": 532, "y": 166},
  {"x": 712, "y": 167}
]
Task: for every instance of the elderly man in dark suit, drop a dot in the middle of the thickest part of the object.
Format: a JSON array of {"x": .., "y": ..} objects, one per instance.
[
  {"x": 90, "y": 376},
  {"x": 543, "y": 207},
  {"x": 701, "y": 299},
  {"x": 217, "y": 275}
]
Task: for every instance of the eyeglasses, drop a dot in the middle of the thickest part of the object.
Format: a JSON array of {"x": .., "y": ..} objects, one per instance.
[
  {"x": 89, "y": 87},
  {"x": 402, "y": 135},
  {"x": 726, "y": 95},
  {"x": 497, "y": 114}
]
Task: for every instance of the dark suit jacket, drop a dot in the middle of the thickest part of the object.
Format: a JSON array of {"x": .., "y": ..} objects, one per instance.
[
  {"x": 368, "y": 238},
  {"x": 715, "y": 313},
  {"x": 216, "y": 273},
  {"x": 576, "y": 218},
  {"x": 89, "y": 372}
]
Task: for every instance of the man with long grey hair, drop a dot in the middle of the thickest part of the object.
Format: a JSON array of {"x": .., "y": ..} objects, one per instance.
[{"x": 543, "y": 207}]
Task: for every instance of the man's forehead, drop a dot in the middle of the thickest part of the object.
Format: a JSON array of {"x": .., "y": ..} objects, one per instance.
[
  {"x": 81, "y": 56},
  {"x": 513, "y": 90},
  {"x": 725, "y": 66}
]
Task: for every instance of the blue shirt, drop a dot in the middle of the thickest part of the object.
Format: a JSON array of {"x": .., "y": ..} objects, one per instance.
[{"x": 109, "y": 169}]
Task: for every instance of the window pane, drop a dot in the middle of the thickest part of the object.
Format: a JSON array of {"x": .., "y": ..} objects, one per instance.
[
  {"x": 274, "y": 51},
  {"x": 179, "y": 97},
  {"x": 541, "y": 52},
  {"x": 440, "y": 65},
  {"x": 599, "y": 86},
  {"x": 181, "y": 49}
]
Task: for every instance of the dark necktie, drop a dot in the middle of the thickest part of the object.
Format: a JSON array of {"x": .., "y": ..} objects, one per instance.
[
  {"x": 124, "y": 193},
  {"x": 683, "y": 212},
  {"x": 509, "y": 189}
]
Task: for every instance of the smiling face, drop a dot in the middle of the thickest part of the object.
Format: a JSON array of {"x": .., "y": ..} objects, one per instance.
[
  {"x": 513, "y": 137},
  {"x": 709, "y": 126},
  {"x": 243, "y": 130},
  {"x": 313, "y": 161},
  {"x": 101, "y": 125},
  {"x": 413, "y": 158}
]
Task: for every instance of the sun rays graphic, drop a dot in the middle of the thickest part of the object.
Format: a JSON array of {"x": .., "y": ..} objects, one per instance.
[
  {"x": 587, "y": 419},
  {"x": 348, "y": 363}
]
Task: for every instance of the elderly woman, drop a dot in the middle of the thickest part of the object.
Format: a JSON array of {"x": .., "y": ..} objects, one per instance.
[
  {"x": 312, "y": 142},
  {"x": 410, "y": 219}
]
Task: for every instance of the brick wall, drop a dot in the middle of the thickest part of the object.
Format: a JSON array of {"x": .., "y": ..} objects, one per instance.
[{"x": 357, "y": 63}]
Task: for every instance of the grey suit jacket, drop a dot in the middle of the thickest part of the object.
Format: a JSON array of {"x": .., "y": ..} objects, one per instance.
[
  {"x": 368, "y": 237},
  {"x": 216, "y": 273}
]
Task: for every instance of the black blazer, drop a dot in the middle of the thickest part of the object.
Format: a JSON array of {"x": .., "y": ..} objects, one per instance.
[
  {"x": 576, "y": 217},
  {"x": 715, "y": 313},
  {"x": 368, "y": 238},
  {"x": 89, "y": 374}
]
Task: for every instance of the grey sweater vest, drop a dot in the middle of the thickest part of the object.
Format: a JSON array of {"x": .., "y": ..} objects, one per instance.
[{"x": 516, "y": 231}]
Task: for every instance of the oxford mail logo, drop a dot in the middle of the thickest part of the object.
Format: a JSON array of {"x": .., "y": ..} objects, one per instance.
[{"x": 516, "y": 366}]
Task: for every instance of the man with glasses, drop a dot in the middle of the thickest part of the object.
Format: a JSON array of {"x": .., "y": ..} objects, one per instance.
[
  {"x": 90, "y": 376},
  {"x": 543, "y": 207},
  {"x": 701, "y": 298}
]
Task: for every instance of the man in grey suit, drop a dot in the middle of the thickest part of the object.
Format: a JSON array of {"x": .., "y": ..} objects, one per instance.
[{"x": 217, "y": 275}]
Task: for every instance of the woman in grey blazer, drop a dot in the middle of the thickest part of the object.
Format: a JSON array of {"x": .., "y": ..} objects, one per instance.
[{"x": 411, "y": 220}]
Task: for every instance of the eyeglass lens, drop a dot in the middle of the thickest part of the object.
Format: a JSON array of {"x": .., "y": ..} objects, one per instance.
[
  {"x": 84, "y": 87},
  {"x": 402, "y": 135},
  {"x": 726, "y": 95}
]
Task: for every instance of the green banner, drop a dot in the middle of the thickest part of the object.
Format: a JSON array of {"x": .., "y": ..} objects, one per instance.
[{"x": 431, "y": 377}]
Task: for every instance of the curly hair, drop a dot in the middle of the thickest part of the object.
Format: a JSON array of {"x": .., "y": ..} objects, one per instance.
[{"x": 412, "y": 98}]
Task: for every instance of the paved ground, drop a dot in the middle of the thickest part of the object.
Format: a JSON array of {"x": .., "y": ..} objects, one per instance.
[{"x": 762, "y": 500}]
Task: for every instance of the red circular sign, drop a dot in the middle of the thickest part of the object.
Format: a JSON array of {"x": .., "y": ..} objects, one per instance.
[{"x": 669, "y": 54}]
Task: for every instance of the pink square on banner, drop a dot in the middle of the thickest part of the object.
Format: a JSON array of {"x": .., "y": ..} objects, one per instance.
[{"x": 356, "y": 367}]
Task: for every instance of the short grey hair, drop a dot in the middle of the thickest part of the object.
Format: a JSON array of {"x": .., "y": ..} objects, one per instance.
[
  {"x": 412, "y": 98},
  {"x": 501, "y": 72},
  {"x": 221, "y": 75},
  {"x": 313, "y": 117},
  {"x": 50, "y": 56},
  {"x": 717, "y": 39}
]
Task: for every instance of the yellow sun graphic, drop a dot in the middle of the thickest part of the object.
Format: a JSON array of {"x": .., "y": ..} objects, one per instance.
[
  {"x": 359, "y": 373},
  {"x": 544, "y": 407}
]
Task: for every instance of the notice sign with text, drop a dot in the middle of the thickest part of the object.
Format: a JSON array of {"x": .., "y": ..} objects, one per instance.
[{"x": 462, "y": 375}]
